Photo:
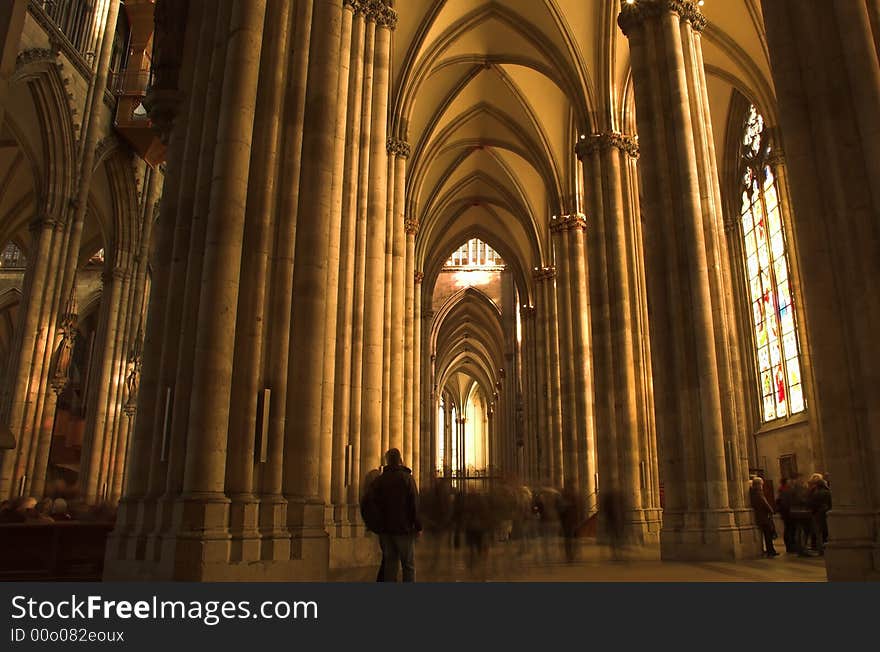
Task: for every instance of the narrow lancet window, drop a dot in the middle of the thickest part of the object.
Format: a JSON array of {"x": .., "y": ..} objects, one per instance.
[{"x": 776, "y": 346}]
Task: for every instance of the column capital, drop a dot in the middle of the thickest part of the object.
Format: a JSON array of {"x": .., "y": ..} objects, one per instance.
[
  {"x": 419, "y": 277},
  {"x": 380, "y": 13},
  {"x": 399, "y": 147},
  {"x": 44, "y": 220},
  {"x": 569, "y": 222},
  {"x": 636, "y": 12},
  {"x": 544, "y": 273},
  {"x": 411, "y": 226},
  {"x": 586, "y": 146}
]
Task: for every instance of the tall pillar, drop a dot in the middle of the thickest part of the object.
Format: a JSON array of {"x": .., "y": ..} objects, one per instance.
[
  {"x": 252, "y": 300},
  {"x": 331, "y": 445},
  {"x": 827, "y": 76},
  {"x": 419, "y": 445},
  {"x": 401, "y": 282},
  {"x": 200, "y": 536},
  {"x": 273, "y": 503},
  {"x": 349, "y": 260},
  {"x": 582, "y": 383},
  {"x": 302, "y": 443},
  {"x": 619, "y": 422},
  {"x": 135, "y": 518},
  {"x": 685, "y": 288},
  {"x": 572, "y": 469},
  {"x": 358, "y": 334},
  {"x": 374, "y": 288}
]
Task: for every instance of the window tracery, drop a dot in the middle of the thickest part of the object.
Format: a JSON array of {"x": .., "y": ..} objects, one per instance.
[{"x": 774, "y": 319}]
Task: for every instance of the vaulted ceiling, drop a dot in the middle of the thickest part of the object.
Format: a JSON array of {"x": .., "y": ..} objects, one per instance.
[{"x": 493, "y": 94}]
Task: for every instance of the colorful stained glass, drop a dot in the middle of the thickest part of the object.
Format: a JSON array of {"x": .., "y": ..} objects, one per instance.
[{"x": 766, "y": 260}]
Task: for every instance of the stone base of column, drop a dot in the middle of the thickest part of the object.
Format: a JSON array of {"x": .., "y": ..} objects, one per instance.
[
  {"x": 243, "y": 527},
  {"x": 197, "y": 544},
  {"x": 124, "y": 532},
  {"x": 274, "y": 535},
  {"x": 853, "y": 551},
  {"x": 308, "y": 538},
  {"x": 162, "y": 518},
  {"x": 643, "y": 527},
  {"x": 709, "y": 535}
]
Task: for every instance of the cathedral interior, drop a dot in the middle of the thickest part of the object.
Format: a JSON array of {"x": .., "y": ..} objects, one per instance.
[{"x": 605, "y": 247}]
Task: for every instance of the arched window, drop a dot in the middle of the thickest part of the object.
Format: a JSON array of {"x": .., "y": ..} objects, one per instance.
[
  {"x": 475, "y": 254},
  {"x": 774, "y": 319}
]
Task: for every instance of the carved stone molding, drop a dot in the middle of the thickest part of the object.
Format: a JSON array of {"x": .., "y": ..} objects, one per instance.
[
  {"x": 380, "y": 13},
  {"x": 634, "y": 14},
  {"x": 629, "y": 145},
  {"x": 398, "y": 147},
  {"x": 419, "y": 277},
  {"x": 568, "y": 222},
  {"x": 35, "y": 55}
]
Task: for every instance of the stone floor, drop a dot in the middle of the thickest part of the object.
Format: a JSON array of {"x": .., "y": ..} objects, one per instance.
[{"x": 594, "y": 563}]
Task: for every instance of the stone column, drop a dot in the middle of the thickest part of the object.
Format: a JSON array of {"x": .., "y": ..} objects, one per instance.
[
  {"x": 618, "y": 334},
  {"x": 332, "y": 448},
  {"x": 401, "y": 285},
  {"x": 95, "y": 453},
  {"x": 825, "y": 68},
  {"x": 419, "y": 445},
  {"x": 572, "y": 469},
  {"x": 315, "y": 218},
  {"x": 183, "y": 309},
  {"x": 685, "y": 288},
  {"x": 410, "y": 434},
  {"x": 554, "y": 372},
  {"x": 257, "y": 249},
  {"x": 273, "y": 504},
  {"x": 46, "y": 230},
  {"x": 200, "y": 536},
  {"x": 137, "y": 508},
  {"x": 374, "y": 288},
  {"x": 343, "y": 425},
  {"x": 542, "y": 358},
  {"x": 583, "y": 377},
  {"x": 359, "y": 305},
  {"x": 530, "y": 391}
]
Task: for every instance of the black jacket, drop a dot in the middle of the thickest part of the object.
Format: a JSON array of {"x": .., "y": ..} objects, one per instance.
[
  {"x": 819, "y": 498},
  {"x": 397, "y": 499}
]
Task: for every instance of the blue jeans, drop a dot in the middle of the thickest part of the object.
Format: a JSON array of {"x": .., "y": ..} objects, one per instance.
[{"x": 398, "y": 549}]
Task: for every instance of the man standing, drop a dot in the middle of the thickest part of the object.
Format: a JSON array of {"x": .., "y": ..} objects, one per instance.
[{"x": 397, "y": 500}]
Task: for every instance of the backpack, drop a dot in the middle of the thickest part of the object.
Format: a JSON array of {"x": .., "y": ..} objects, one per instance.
[{"x": 370, "y": 510}]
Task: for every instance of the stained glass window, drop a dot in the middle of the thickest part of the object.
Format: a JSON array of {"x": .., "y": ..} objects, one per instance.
[{"x": 777, "y": 351}]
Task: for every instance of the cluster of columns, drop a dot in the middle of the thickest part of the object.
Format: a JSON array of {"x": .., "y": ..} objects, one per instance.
[
  {"x": 283, "y": 232},
  {"x": 626, "y": 447},
  {"x": 826, "y": 70},
  {"x": 575, "y": 349},
  {"x": 38, "y": 370},
  {"x": 698, "y": 421}
]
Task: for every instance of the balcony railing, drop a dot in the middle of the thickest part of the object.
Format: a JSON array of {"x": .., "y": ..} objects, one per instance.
[{"x": 133, "y": 83}]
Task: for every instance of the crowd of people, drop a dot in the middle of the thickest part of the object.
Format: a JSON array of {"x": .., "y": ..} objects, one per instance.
[{"x": 803, "y": 506}]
